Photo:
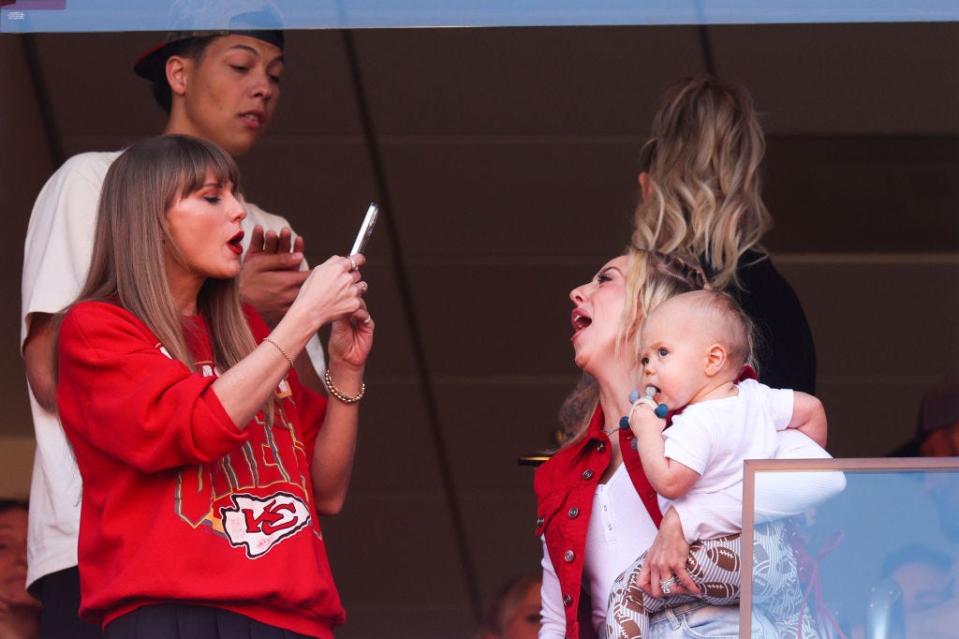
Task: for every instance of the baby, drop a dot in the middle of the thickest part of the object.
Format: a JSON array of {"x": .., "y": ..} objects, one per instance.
[{"x": 693, "y": 350}]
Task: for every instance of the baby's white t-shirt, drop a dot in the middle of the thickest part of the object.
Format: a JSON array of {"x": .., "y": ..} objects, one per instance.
[{"x": 713, "y": 438}]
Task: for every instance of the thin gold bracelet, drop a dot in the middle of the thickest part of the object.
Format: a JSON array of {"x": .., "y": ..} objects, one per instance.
[
  {"x": 337, "y": 393},
  {"x": 277, "y": 347}
]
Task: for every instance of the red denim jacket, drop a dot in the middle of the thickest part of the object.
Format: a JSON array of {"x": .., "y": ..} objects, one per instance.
[{"x": 565, "y": 486}]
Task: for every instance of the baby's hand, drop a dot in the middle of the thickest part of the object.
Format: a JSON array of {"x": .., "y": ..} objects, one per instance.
[
  {"x": 661, "y": 410},
  {"x": 653, "y": 406},
  {"x": 641, "y": 419}
]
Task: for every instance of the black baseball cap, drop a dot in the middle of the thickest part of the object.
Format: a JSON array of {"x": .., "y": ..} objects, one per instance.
[{"x": 151, "y": 65}]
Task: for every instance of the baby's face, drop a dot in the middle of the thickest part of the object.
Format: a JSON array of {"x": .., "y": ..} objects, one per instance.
[{"x": 673, "y": 353}]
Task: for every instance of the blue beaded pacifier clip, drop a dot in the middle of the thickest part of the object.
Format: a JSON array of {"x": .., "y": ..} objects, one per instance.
[{"x": 660, "y": 410}]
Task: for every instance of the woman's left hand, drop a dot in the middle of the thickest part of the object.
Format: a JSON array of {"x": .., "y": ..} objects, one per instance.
[
  {"x": 666, "y": 558},
  {"x": 351, "y": 337}
]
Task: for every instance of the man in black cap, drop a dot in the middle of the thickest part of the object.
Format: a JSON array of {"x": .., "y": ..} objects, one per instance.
[
  {"x": 241, "y": 77},
  {"x": 221, "y": 86}
]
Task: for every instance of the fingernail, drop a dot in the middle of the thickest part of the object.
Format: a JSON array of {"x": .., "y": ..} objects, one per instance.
[{"x": 296, "y": 257}]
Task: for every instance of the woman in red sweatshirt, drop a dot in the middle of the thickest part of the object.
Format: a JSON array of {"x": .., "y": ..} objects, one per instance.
[{"x": 205, "y": 461}]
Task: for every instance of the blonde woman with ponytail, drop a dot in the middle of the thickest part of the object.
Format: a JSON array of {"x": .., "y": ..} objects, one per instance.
[
  {"x": 205, "y": 461},
  {"x": 701, "y": 195}
]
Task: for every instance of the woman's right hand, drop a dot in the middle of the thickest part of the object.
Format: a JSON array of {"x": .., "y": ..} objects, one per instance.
[
  {"x": 334, "y": 289},
  {"x": 667, "y": 557}
]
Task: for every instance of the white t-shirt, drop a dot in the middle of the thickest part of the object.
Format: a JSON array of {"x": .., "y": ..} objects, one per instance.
[
  {"x": 713, "y": 438},
  {"x": 56, "y": 258}
]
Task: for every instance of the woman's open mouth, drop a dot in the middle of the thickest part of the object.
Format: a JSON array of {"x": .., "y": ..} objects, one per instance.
[
  {"x": 579, "y": 320},
  {"x": 236, "y": 243}
]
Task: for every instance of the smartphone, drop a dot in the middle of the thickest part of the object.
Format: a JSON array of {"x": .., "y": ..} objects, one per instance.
[{"x": 366, "y": 229}]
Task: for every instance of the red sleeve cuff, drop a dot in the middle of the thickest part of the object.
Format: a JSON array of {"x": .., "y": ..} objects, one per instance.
[{"x": 223, "y": 435}]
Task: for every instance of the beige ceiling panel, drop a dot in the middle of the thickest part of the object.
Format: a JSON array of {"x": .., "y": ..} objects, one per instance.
[
  {"x": 863, "y": 194},
  {"x": 503, "y": 319},
  {"x": 492, "y": 421},
  {"x": 317, "y": 89},
  {"x": 503, "y": 539},
  {"x": 321, "y": 185},
  {"x": 396, "y": 550},
  {"x": 13, "y": 382},
  {"x": 93, "y": 90},
  {"x": 25, "y": 164},
  {"x": 847, "y": 79},
  {"x": 881, "y": 316},
  {"x": 871, "y": 417},
  {"x": 392, "y": 360},
  {"x": 553, "y": 197},
  {"x": 526, "y": 81},
  {"x": 16, "y": 459},
  {"x": 395, "y": 452}
]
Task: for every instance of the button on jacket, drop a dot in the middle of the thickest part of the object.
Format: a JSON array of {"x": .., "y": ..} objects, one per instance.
[{"x": 565, "y": 486}]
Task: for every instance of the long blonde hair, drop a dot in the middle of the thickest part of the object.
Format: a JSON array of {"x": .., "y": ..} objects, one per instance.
[
  {"x": 132, "y": 237},
  {"x": 651, "y": 279},
  {"x": 704, "y": 188}
]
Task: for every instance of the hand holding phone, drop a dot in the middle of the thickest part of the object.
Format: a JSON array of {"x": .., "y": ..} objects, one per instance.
[{"x": 366, "y": 230}]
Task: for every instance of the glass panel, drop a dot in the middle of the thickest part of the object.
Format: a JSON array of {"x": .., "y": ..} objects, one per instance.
[
  {"x": 878, "y": 558},
  {"x": 23, "y": 16}
]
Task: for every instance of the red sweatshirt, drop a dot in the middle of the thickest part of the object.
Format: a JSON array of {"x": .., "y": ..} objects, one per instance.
[{"x": 178, "y": 503}]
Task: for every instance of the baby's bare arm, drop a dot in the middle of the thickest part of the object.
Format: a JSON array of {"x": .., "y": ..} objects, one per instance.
[
  {"x": 809, "y": 417},
  {"x": 668, "y": 477}
]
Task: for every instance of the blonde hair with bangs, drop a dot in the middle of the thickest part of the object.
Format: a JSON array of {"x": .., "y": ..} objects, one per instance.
[
  {"x": 132, "y": 238},
  {"x": 704, "y": 188}
]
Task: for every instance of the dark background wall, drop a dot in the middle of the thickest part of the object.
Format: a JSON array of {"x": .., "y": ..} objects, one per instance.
[{"x": 508, "y": 158}]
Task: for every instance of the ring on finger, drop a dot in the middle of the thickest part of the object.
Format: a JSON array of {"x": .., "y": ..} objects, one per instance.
[
  {"x": 352, "y": 263},
  {"x": 666, "y": 585}
]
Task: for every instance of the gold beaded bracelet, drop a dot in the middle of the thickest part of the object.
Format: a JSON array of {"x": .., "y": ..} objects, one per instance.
[
  {"x": 277, "y": 347},
  {"x": 337, "y": 393}
]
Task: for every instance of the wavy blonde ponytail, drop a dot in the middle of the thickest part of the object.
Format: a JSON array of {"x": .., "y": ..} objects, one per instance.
[{"x": 704, "y": 188}]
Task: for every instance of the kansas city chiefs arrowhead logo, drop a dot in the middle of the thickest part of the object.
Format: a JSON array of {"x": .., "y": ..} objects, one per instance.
[{"x": 258, "y": 524}]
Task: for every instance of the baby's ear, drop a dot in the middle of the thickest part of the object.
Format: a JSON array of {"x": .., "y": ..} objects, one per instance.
[{"x": 716, "y": 358}]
